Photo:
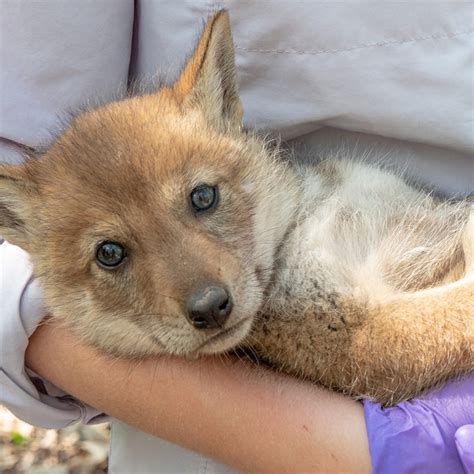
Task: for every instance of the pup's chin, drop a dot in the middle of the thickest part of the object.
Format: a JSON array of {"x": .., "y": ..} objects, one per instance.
[{"x": 226, "y": 340}]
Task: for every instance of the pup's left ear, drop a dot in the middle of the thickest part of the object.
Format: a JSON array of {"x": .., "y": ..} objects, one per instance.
[
  {"x": 17, "y": 192},
  {"x": 209, "y": 78}
]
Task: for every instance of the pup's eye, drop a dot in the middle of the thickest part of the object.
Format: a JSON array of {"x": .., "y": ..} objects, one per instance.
[
  {"x": 110, "y": 254},
  {"x": 203, "y": 197}
]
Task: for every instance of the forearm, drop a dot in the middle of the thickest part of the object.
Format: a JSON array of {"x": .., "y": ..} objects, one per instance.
[{"x": 243, "y": 416}]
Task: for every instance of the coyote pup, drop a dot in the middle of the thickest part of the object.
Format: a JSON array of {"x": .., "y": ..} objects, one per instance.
[{"x": 157, "y": 225}]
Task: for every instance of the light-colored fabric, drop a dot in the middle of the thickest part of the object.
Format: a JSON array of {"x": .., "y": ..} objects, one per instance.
[
  {"x": 445, "y": 171},
  {"x": 397, "y": 69},
  {"x": 137, "y": 452},
  {"x": 57, "y": 57},
  {"x": 402, "y": 71},
  {"x": 22, "y": 309}
]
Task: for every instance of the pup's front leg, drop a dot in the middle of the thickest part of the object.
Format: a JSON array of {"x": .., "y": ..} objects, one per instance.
[{"x": 385, "y": 352}]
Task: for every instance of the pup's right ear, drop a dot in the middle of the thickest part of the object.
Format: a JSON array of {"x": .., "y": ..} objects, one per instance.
[
  {"x": 209, "y": 79},
  {"x": 17, "y": 191}
]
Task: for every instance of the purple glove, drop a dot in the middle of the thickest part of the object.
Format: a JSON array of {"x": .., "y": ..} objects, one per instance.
[{"x": 431, "y": 434}]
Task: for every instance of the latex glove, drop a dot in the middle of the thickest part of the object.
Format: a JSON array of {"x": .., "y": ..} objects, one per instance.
[{"x": 431, "y": 434}]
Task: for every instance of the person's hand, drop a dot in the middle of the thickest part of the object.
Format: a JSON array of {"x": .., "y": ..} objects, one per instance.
[{"x": 431, "y": 434}]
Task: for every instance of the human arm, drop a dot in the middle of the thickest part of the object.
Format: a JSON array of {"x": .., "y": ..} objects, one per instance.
[
  {"x": 244, "y": 416},
  {"x": 256, "y": 420}
]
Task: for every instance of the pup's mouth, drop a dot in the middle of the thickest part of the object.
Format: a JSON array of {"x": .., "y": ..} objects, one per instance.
[{"x": 226, "y": 339}]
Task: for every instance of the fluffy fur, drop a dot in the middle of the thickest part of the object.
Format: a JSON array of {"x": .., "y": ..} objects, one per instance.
[{"x": 340, "y": 272}]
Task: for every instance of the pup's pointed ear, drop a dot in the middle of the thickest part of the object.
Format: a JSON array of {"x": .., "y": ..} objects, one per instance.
[
  {"x": 209, "y": 79},
  {"x": 17, "y": 191}
]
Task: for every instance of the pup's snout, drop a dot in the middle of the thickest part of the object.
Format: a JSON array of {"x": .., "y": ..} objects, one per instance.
[{"x": 209, "y": 307}]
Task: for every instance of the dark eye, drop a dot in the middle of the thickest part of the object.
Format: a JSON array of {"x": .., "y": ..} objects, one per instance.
[
  {"x": 110, "y": 254},
  {"x": 203, "y": 197}
]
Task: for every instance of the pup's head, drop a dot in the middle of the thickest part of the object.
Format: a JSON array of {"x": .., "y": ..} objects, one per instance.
[{"x": 151, "y": 221}]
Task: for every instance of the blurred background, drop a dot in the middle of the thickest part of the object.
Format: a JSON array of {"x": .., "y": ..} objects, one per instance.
[{"x": 77, "y": 449}]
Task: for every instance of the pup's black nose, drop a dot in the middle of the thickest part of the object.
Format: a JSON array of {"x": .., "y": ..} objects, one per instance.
[{"x": 209, "y": 307}]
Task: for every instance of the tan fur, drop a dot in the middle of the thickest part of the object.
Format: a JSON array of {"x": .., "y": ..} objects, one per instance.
[
  {"x": 339, "y": 271},
  {"x": 385, "y": 351}
]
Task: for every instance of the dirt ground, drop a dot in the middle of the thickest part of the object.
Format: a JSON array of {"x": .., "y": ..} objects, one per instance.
[{"x": 73, "y": 450}]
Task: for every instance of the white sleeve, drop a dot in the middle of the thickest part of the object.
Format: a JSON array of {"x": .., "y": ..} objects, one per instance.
[{"x": 21, "y": 310}]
